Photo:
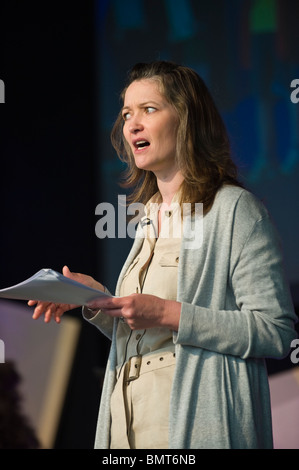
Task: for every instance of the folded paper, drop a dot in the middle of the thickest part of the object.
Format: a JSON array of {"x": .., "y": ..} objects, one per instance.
[{"x": 50, "y": 286}]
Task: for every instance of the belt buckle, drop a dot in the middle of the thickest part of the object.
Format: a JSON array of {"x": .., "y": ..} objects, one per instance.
[{"x": 134, "y": 369}]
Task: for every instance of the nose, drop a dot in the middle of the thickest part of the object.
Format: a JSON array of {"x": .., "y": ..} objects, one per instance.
[{"x": 135, "y": 124}]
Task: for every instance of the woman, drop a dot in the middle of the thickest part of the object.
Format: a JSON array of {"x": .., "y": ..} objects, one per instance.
[{"x": 190, "y": 324}]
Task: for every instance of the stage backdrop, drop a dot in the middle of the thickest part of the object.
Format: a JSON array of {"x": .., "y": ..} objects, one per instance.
[{"x": 246, "y": 51}]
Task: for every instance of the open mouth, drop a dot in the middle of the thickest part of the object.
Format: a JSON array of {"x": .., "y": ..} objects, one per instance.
[{"x": 141, "y": 144}]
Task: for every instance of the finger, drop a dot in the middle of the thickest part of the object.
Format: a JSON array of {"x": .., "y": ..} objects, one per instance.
[
  {"x": 66, "y": 271},
  {"x": 32, "y": 302},
  {"x": 57, "y": 318},
  {"x": 75, "y": 276},
  {"x": 58, "y": 313},
  {"x": 106, "y": 303},
  {"x": 116, "y": 312},
  {"x": 39, "y": 309},
  {"x": 42, "y": 308},
  {"x": 50, "y": 312}
]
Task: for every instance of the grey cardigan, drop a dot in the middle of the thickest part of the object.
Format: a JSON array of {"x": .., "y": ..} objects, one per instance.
[{"x": 236, "y": 310}]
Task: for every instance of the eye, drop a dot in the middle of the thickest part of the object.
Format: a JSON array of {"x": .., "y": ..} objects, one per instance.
[
  {"x": 150, "y": 109},
  {"x": 126, "y": 116}
]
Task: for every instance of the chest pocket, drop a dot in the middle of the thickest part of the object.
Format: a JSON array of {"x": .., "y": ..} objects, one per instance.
[
  {"x": 161, "y": 278},
  {"x": 169, "y": 259}
]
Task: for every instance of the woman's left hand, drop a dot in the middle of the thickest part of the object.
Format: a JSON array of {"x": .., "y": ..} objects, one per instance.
[{"x": 141, "y": 311}]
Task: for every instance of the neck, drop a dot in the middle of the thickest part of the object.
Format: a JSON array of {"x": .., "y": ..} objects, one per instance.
[{"x": 169, "y": 185}]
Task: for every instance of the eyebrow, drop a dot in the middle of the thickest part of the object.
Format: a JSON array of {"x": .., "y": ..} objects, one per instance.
[{"x": 141, "y": 105}]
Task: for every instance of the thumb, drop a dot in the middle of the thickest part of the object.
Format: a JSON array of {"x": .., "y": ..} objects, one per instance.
[{"x": 67, "y": 273}]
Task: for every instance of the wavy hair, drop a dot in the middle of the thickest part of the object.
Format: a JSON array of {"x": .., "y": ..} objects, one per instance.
[{"x": 203, "y": 150}]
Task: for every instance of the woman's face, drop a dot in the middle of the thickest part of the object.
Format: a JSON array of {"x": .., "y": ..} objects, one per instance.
[{"x": 150, "y": 127}]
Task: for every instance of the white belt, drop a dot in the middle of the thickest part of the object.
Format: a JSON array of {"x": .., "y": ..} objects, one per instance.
[{"x": 138, "y": 365}]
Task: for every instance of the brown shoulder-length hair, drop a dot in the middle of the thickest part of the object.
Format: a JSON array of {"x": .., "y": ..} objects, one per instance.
[{"x": 203, "y": 149}]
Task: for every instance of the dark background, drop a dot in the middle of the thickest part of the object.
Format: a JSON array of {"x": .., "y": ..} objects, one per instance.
[
  {"x": 48, "y": 159},
  {"x": 63, "y": 65}
]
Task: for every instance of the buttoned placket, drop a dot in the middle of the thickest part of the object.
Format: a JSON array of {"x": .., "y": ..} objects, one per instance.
[
  {"x": 150, "y": 232},
  {"x": 129, "y": 373},
  {"x": 150, "y": 229}
]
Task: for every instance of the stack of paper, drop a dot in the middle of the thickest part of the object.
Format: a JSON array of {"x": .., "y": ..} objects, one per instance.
[{"x": 51, "y": 286}]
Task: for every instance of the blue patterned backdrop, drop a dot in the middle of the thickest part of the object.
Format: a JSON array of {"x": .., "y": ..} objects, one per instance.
[{"x": 246, "y": 51}]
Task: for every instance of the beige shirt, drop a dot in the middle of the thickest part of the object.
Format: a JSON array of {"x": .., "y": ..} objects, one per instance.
[{"x": 153, "y": 271}]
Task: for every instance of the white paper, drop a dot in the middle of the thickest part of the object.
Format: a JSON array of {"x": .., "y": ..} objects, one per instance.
[{"x": 50, "y": 286}]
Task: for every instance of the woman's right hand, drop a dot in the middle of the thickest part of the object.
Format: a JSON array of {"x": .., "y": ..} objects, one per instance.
[{"x": 55, "y": 311}]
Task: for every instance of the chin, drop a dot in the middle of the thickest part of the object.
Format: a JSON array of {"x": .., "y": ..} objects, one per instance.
[{"x": 143, "y": 166}]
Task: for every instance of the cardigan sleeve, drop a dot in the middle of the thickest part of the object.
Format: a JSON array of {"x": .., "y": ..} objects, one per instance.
[
  {"x": 103, "y": 322},
  {"x": 262, "y": 324}
]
